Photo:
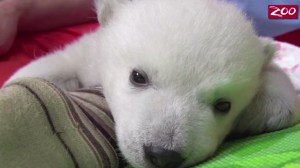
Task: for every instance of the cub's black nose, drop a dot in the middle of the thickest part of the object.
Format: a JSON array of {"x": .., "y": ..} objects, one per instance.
[{"x": 163, "y": 158}]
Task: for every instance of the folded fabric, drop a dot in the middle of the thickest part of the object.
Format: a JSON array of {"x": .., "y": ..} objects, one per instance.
[
  {"x": 42, "y": 126},
  {"x": 287, "y": 58}
]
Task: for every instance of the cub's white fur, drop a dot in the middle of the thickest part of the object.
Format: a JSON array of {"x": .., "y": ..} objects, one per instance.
[{"x": 194, "y": 52}]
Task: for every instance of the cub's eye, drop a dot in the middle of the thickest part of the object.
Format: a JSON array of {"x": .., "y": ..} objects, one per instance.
[
  {"x": 222, "y": 106},
  {"x": 139, "y": 78}
]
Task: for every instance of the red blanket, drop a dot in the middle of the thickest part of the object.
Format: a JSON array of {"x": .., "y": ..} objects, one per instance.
[{"x": 33, "y": 45}]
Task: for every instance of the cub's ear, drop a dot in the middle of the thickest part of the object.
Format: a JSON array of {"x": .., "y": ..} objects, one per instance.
[
  {"x": 269, "y": 49},
  {"x": 106, "y": 8}
]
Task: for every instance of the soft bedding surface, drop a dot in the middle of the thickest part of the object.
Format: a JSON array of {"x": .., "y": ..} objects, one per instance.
[
  {"x": 30, "y": 46},
  {"x": 276, "y": 149}
]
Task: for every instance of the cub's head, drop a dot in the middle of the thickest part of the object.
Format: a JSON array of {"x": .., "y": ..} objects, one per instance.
[{"x": 177, "y": 76}]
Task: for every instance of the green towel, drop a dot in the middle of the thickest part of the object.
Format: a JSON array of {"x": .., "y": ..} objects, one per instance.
[
  {"x": 280, "y": 149},
  {"x": 42, "y": 126}
]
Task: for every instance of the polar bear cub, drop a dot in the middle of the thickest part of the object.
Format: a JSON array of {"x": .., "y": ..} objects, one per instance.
[{"x": 179, "y": 76}]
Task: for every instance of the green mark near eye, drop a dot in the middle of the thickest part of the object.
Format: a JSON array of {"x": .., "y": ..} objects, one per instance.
[{"x": 230, "y": 91}]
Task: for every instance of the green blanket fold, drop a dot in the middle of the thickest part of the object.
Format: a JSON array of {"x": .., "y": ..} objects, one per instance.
[
  {"x": 280, "y": 149},
  {"x": 42, "y": 126}
]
